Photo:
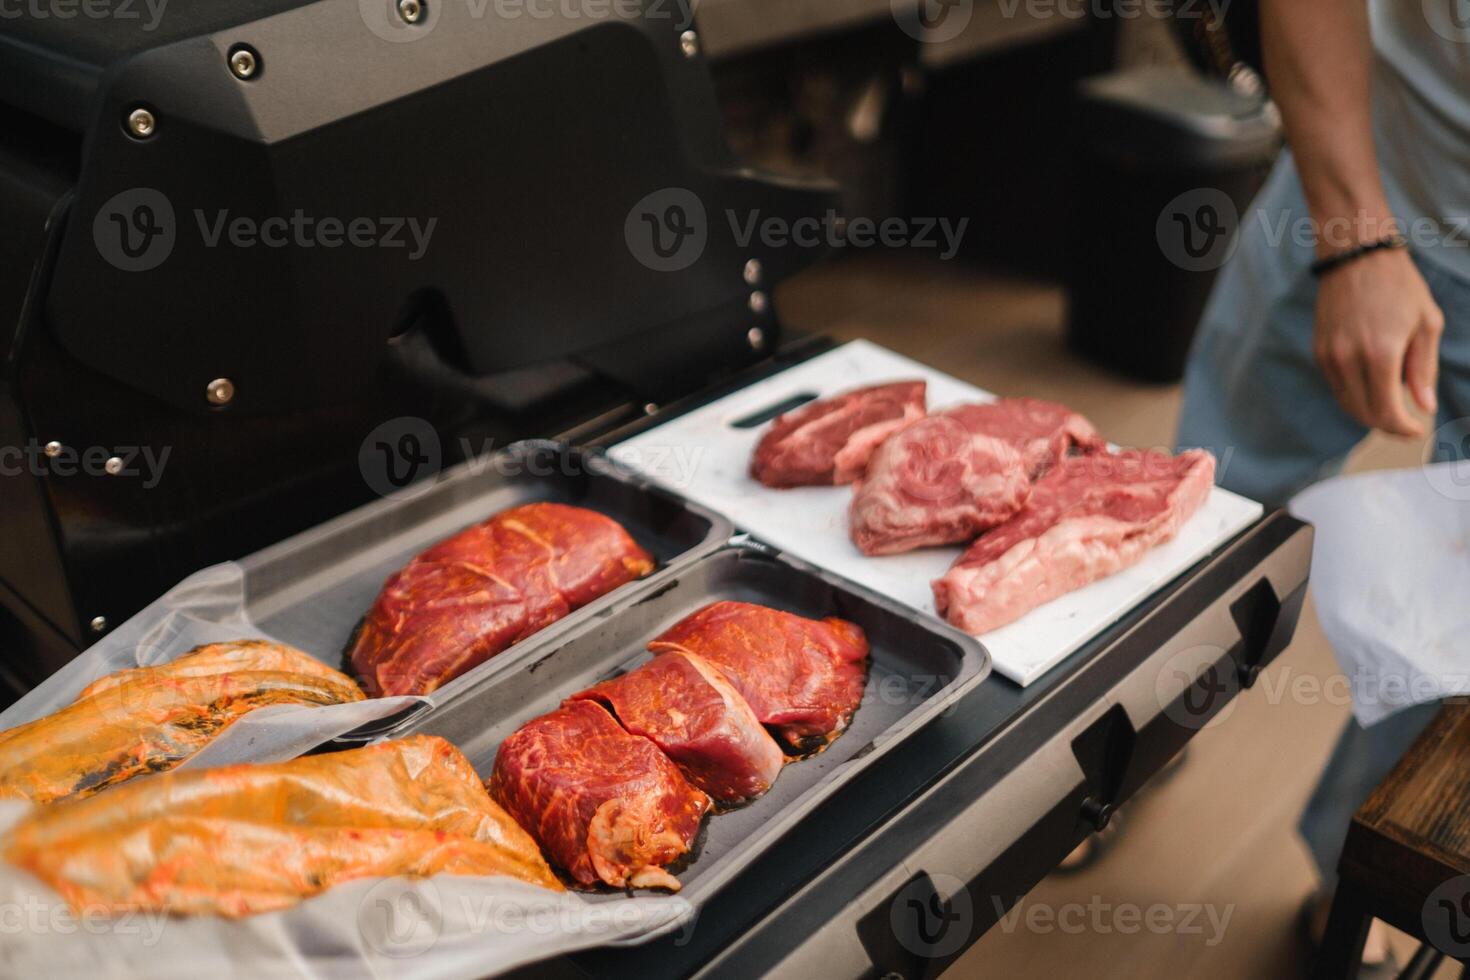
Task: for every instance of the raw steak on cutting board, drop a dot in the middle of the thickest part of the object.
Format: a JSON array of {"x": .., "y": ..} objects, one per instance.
[
  {"x": 953, "y": 475},
  {"x": 1087, "y": 518},
  {"x": 830, "y": 441}
]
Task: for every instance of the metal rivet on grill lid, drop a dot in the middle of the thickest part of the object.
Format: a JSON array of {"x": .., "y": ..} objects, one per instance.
[
  {"x": 689, "y": 44},
  {"x": 141, "y": 123},
  {"x": 757, "y": 302},
  {"x": 221, "y": 391},
  {"x": 243, "y": 63},
  {"x": 753, "y": 272},
  {"x": 757, "y": 337},
  {"x": 113, "y": 466},
  {"x": 412, "y": 11},
  {"x": 99, "y": 623},
  {"x": 53, "y": 449}
]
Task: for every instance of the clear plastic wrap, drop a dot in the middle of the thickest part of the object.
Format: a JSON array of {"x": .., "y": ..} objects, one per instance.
[{"x": 447, "y": 926}]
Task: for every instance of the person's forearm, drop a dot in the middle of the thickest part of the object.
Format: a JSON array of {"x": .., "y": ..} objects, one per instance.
[{"x": 1319, "y": 61}]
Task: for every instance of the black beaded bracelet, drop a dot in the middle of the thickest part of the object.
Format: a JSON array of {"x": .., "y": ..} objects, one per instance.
[{"x": 1321, "y": 267}]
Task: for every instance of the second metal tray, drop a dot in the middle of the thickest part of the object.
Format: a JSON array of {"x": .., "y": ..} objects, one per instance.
[
  {"x": 918, "y": 669},
  {"x": 311, "y": 590}
]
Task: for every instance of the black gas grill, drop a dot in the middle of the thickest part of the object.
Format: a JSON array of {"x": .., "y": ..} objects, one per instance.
[{"x": 581, "y": 280}]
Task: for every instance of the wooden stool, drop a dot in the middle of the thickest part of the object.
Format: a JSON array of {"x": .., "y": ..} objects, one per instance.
[{"x": 1407, "y": 856}]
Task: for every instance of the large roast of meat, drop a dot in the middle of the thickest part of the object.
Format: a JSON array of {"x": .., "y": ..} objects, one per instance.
[
  {"x": 472, "y": 596},
  {"x": 255, "y": 838},
  {"x": 150, "y": 719},
  {"x": 829, "y": 442},
  {"x": 615, "y": 782},
  {"x": 1087, "y": 518}
]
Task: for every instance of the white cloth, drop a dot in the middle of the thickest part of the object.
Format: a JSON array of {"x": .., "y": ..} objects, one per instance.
[{"x": 1391, "y": 579}]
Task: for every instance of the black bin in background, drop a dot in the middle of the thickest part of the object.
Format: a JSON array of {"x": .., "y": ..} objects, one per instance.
[{"x": 1167, "y": 164}]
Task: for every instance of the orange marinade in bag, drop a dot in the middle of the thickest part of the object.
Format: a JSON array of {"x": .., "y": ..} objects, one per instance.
[
  {"x": 151, "y": 719},
  {"x": 245, "y": 839}
]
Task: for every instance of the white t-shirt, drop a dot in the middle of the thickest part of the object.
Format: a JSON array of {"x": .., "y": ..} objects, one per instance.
[{"x": 1421, "y": 112}]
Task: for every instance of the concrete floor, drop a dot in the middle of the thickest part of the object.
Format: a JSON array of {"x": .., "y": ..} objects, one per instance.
[{"x": 1218, "y": 838}]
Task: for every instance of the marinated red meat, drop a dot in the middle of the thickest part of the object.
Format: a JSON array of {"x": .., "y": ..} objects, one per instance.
[
  {"x": 951, "y": 476},
  {"x": 605, "y": 805},
  {"x": 470, "y": 597},
  {"x": 830, "y": 441},
  {"x": 1088, "y": 517},
  {"x": 804, "y": 678},
  {"x": 685, "y": 706}
]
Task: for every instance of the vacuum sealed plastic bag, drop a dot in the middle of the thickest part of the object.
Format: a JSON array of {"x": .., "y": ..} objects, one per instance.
[{"x": 151, "y": 719}]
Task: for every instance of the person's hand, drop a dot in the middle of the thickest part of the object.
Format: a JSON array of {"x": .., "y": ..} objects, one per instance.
[{"x": 1378, "y": 329}]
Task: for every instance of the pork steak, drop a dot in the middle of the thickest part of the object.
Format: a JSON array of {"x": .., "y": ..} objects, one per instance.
[
  {"x": 686, "y": 706},
  {"x": 1089, "y": 517},
  {"x": 804, "y": 678},
  {"x": 953, "y": 475},
  {"x": 829, "y": 442},
  {"x": 604, "y": 805}
]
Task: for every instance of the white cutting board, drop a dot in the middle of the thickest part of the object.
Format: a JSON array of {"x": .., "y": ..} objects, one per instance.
[{"x": 702, "y": 456}]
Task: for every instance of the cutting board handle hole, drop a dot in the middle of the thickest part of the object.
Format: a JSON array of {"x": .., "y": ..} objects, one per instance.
[{"x": 771, "y": 411}]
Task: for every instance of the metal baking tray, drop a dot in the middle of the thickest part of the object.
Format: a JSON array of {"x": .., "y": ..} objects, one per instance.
[
  {"x": 919, "y": 669},
  {"x": 311, "y": 590}
]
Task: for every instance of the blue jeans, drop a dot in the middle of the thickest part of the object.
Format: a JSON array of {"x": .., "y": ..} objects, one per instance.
[{"x": 1254, "y": 395}]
